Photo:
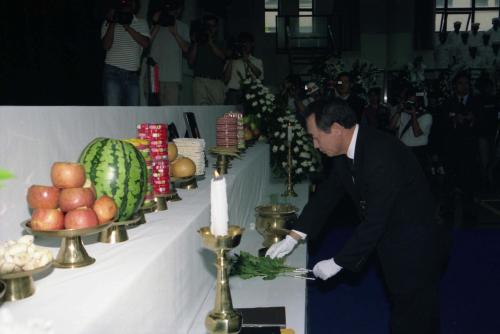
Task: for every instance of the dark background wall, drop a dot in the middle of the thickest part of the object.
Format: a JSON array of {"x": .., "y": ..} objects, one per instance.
[{"x": 51, "y": 52}]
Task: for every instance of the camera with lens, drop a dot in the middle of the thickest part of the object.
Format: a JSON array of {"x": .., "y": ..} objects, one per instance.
[
  {"x": 166, "y": 18},
  {"x": 123, "y": 12},
  {"x": 409, "y": 105}
]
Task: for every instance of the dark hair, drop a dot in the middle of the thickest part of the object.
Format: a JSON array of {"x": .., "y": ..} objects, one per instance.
[
  {"x": 210, "y": 17},
  {"x": 344, "y": 74},
  {"x": 326, "y": 112},
  {"x": 245, "y": 37},
  {"x": 460, "y": 75}
]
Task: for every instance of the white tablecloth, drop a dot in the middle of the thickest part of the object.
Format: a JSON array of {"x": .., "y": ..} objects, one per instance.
[{"x": 157, "y": 281}]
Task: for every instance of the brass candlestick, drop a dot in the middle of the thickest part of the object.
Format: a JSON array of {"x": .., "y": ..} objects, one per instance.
[
  {"x": 222, "y": 163},
  {"x": 289, "y": 192},
  {"x": 223, "y": 319},
  {"x": 224, "y": 156}
]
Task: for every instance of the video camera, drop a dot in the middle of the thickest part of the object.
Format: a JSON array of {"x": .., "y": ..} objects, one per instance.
[
  {"x": 166, "y": 18},
  {"x": 123, "y": 12}
]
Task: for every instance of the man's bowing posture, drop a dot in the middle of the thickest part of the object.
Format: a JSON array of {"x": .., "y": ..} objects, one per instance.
[{"x": 396, "y": 208}]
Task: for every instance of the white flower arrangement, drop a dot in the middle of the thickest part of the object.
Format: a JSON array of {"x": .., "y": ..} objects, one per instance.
[{"x": 275, "y": 117}]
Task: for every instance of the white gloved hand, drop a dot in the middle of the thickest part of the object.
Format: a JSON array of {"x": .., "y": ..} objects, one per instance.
[
  {"x": 282, "y": 248},
  {"x": 326, "y": 269}
]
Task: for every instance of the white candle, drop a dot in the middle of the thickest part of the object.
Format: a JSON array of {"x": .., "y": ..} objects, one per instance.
[
  {"x": 219, "y": 210},
  {"x": 290, "y": 133}
]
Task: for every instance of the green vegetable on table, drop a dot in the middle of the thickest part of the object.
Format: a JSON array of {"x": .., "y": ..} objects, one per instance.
[
  {"x": 5, "y": 175},
  {"x": 248, "y": 266}
]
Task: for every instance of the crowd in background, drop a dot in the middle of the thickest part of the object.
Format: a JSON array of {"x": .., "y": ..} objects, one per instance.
[
  {"x": 455, "y": 141},
  {"x": 162, "y": 44}
]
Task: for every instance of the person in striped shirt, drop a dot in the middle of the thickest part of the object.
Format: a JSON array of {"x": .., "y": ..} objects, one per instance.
[{"x": 124, "y": 36}]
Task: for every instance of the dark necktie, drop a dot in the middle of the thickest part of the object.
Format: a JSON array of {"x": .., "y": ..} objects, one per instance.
[{"x": 350, "y": 164}]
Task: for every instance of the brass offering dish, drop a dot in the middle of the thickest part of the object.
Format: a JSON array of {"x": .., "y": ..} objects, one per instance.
[
  {"x": 173, "y": 196},
  {"x": 187, "y": 183},
  {"x": 19, "y": 285},
  {"x": 72, "y": 253},
  {"x": 223, "y": 319},
  {"x": 146, "y": 208},
  {"x": 273, "y": 222},
  {"x": 118, "y": 232}
]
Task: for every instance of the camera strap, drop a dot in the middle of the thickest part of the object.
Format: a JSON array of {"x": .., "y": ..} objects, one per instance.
[{"x": 407, "y": 126}]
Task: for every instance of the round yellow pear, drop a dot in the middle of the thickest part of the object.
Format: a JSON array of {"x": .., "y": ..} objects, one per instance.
[
  {"x": 172, "y": 151},
  {"x": 182, "y": 167}
]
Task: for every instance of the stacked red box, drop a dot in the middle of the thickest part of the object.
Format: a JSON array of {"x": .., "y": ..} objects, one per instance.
[
  {"x": 157, "y": 136},
  {"x": 227, "y": 131}
]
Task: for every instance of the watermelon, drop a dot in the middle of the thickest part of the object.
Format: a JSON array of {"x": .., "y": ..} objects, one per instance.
[{"x": 117, "y": 169}]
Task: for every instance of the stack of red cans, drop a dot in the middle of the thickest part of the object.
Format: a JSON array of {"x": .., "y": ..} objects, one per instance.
[
  {"x": 157, "y": 136},
  {"x": 227, "y": 131}
]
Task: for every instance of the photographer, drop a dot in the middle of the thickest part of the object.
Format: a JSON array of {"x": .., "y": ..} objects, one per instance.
[
  {"x": 343, "y": 90},
  {"x": 207, "y": 56},
  {"x": 241, "y": 65},
  {"x": 124, "y": 36},
  {"x": 170, "y": 39},
  {"x": 413, "y": 126}
]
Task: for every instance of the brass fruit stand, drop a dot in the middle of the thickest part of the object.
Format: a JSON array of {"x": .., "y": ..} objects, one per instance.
[{"x": 72, "y": 253}]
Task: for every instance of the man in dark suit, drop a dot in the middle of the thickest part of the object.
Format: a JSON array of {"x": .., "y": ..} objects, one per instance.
[
  {"x": 460, "y": 141},
  {"x": 343, "y": 90},
  {"x": 396, "y": 208}
]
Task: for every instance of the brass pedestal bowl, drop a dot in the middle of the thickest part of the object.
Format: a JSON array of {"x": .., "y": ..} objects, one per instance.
[
  {"x": 273, "y": 222},
  {"x": 19, "y": 285},
  {"x": 72, "y": 253},
  {"x": 118, "y": 232}
]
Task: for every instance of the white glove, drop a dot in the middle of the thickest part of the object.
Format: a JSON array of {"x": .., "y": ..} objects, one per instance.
[
  {"x": 281, "y": 248},
  {"x": 326, "y": 269}
]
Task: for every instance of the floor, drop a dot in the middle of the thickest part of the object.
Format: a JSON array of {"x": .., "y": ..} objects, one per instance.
[{"x": 470, "y": 289}]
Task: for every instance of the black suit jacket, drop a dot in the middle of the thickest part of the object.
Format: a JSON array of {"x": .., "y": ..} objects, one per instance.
[{"x": 395, "y": 204}]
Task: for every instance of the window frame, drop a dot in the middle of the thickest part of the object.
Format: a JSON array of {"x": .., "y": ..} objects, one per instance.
[
  {"x": 271, "y": 10},
  {"x": 471, "y": 11}
]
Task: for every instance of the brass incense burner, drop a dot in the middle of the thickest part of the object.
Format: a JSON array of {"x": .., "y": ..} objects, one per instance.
[
  {"x": 273, "y": 222},
  {"x": 223, "y": 319},
  {"x": 72, "y": 253}
]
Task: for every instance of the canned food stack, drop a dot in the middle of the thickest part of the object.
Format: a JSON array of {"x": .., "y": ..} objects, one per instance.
[
  {"x": 227, "y": 131},
  {"x": 240, "y": 129},
  {"x": 193, "y": 149},
  {"x": 157, "y": 136},
  {"x": 143, "y": 146}
]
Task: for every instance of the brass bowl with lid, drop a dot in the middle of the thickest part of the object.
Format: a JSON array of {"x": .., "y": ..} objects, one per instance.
[{"x": 273, "y": 221}]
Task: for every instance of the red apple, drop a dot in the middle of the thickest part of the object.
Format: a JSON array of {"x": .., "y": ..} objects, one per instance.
[
  {"x": 105, "y": 209},
  {"x": 80, "y": 218},
  {"x": 72, "y": 198},
  {"x": 89, "y": 185},
  {"x": 43, "y": 197},
  {"x": 67, "y": 175},
  {"x": 47, "y": 219}
]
